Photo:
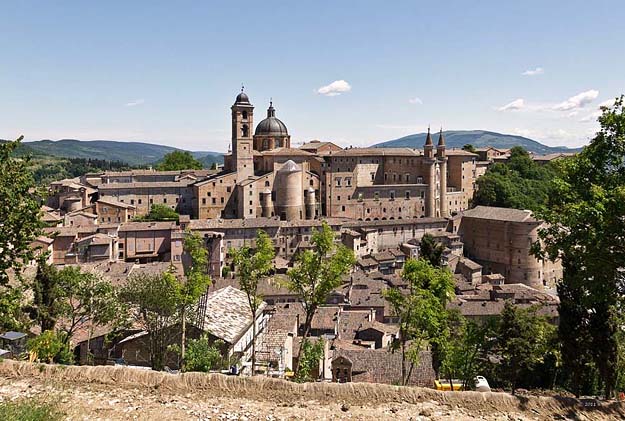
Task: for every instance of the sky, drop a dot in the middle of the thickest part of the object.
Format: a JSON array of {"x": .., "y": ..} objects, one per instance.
[{"x": 355, "y": 72}]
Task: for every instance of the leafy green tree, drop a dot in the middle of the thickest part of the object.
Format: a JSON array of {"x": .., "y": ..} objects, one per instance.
[
  {"x": 20, "y": 224},
  {"x": 431, "y": 250},
  {"x": 421, "y": 310},
  {"x": 196, "y": 283},
  {"x": 467, "y": 350},
  {"x": 523, "y": 340},
  {"x": 51, "y": 347},
  {"x": 469, "y": 148},
  {"x": 19, "y": 211},
  {"x": 251, "y": 267},
  {"x": 159, "y": 212},
  {"x": 317, "y": 272},
  {"x": 154, "y": 304},
  {"x": 179, "y": 160},
  {"x": 87, "y": 300},
  {"x": 520, "y": 183},
  {"x": 586, "y": 226},
  {"x": 204, "y": 355}
]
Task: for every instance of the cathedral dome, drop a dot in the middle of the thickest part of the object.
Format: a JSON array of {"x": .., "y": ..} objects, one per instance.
[{"x": 271, "y": 126}]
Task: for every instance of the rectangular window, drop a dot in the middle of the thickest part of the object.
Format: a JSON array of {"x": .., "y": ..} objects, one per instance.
[
  {"x": 139, "y": 201},
  {"x": 164, "y": 200},
  {"x": 407, "y": 194},
  {"x": 372, "y": 176},
  {"x": 132, "y": 201},
  {"x": 203, "y": 200},
  {"x": 338, "y": 181},
  {"x": 348, "y": 181},
  {"x": 392, "y": 194},
  {"x": 222, "y": 200},
  {"x": 214, "y": 201}
]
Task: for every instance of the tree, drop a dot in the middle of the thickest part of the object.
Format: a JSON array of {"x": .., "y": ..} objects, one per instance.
[
  {"x": 469, "y": 148},
  {"x": 47, "y": 304},
  {"x": 519, "y": 183},
  {"x": 87, "y": 299},
  {"x": 430, "y": 250},
  {"x": 179, "y": 160},
  {"x": 159, "y": 212},
  {"x": 585, "y": 230},
  {"x": 19, "y": 212},
  {"x": 19, "y": 225},
  {"x": 317, "y": 272},
  {"x": 251, "y": 267},
  {"x": 421, "y": 310},
  {"x": 196, "y": 283},
  {"x": 154, "y": 302},
  {"x": 523, "y": 340}
]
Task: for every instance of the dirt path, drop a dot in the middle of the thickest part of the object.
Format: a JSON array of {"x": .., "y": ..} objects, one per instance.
[{"x": 108, "y": 393}]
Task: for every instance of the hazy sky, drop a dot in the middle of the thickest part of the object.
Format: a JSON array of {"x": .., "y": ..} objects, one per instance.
[{"x": 353, "y": 72}]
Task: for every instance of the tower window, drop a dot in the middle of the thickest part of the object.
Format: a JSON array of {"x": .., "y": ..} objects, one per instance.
[
  {"x": 244, "y": 115},
  {"x": 245, "y": 130}
]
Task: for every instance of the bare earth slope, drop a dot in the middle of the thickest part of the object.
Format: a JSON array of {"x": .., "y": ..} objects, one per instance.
[{"x": 120, "y": 393}]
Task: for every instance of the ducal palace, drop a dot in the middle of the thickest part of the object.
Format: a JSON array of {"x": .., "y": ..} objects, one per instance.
[{"x": 264, "y": 176}]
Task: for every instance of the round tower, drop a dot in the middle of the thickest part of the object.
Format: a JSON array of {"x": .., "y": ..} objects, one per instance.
[
  {"x": 289, "y": 192},
  {"x": 265, "y": 203},
  {"x": 311, "y": 203}
]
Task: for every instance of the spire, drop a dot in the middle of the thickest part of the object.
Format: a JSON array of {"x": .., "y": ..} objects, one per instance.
[
  {"x": 441, "y": 139},
  {"x": 428, "y": 139},
  {"x": 271, "y": 112}
]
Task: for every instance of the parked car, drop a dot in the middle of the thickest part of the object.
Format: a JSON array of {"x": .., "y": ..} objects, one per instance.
[{"x": 481, "y": 384}]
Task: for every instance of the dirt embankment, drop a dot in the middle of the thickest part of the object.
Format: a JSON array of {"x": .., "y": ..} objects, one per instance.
[{"x": 124, "y": 393}]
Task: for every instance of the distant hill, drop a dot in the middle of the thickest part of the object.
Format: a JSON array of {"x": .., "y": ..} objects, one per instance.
[
  {"x": 477, "y": 138},
  {"x": 132, "y": 153}
]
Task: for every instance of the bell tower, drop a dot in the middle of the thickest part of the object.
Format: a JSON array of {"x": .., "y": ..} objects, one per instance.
[{"x": 242, "y": 124}]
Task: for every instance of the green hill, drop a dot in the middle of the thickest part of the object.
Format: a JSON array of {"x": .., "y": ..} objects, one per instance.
[
  {"x": 478, "y": 138},
  {"x": 132, "y": 153}
]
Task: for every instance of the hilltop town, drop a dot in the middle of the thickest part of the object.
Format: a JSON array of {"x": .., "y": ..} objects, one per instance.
[{"x": 380, "y": 204}]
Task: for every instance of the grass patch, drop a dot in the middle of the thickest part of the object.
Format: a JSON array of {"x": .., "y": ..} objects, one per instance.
[{"x": 30, "y": 410}]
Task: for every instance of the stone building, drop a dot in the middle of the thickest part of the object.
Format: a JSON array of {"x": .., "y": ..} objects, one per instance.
[{"x": 500, "y": 240}]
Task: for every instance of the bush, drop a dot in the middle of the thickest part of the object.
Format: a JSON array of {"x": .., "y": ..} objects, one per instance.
[
  {"x": 202, "y": 355},
  {"x": 51, "y": 347},
  {"x": 159, "y": 212},
  {"x": 309, "y": 360},
  {"x": 30, "y": 410}
]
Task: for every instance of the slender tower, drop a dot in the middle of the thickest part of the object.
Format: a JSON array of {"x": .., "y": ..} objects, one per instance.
[
  {"x": 442, "y": 165},
  {"x": 430, "y": 162},
  {"x": 242, "y": 123}
]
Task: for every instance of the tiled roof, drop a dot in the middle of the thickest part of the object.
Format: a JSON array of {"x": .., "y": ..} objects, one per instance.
[
  {"x": 117, "y": 203},
  {"x": 146, "y": 184},
  {"x": 374, "y": 152},
  {"x": 499, "y": 214},
  {"x": 286, "y": 152},
  {"x": 350, "y": 322},
  {"x": 147, "y": 226},
  {"x": 228, "y": 314}
]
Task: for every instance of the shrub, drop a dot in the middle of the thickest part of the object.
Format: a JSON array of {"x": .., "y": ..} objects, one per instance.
[{"x": 51, "y": 347}]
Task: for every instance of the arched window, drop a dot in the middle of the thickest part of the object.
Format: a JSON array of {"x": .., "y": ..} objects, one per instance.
[
  {"x": 244, "y": 115},
  {"x": 278, "y": 143},
  {"x": 244, "y": 130},
  {"x": 265, "y": 143}
]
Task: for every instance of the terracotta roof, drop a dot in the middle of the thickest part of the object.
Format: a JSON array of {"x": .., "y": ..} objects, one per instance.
[
  {"x": 383, "y": 366},
  {"x": 350, "y": 322},
  {"x": 113, "y": 202},
  {"x": 286, "y": 152},
  {"x": 459, "y": 152},
  {"x": 374, "y": 152},
  {"x": 147, "y": 226},
  {"x": 146, "y": 185}
]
